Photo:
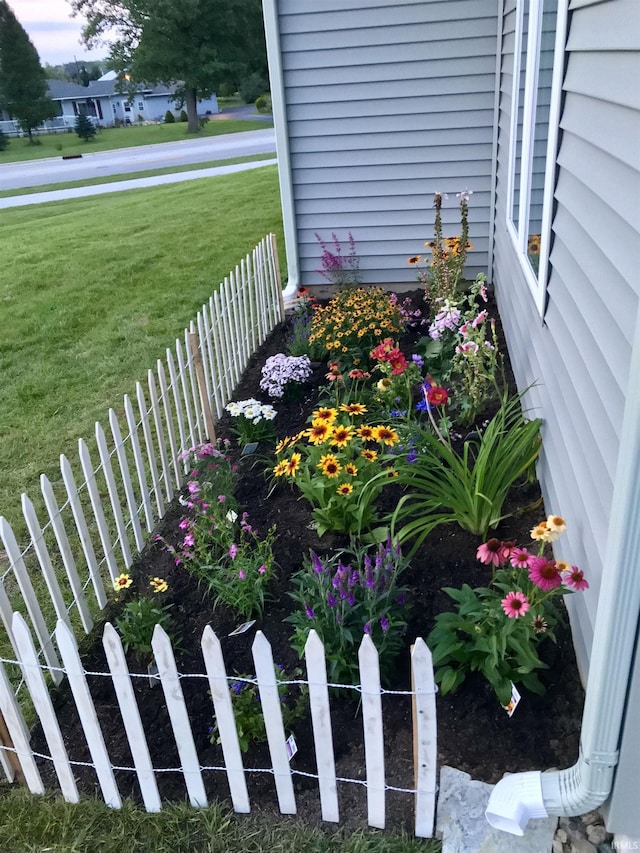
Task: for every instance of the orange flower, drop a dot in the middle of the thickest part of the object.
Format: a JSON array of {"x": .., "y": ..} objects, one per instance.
[
  {"x": 319, "y": 432},
  {"x": 341, "y": 435},
  {"x": 281, "y": 468},
  {"x": 329, "y": 465},
  {"x": 369, "y": 455},
  {"x": 293, "y": 464},
  {"x": 353, "y": 408},
  {"x": 385, "y": 435},
  {"x": 366, "y": 433},
  {"x": 326, "y": 414}
]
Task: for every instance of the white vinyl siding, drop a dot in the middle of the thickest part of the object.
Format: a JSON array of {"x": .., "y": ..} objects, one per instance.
[
  {"x": 579, "y": 357},
  {"x": 387, "y": 103}
]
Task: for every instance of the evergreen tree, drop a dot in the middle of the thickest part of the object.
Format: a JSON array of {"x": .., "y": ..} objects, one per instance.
[
  {"x": 23, "y": 85},
  {"x": 201, "y": 43},
  {"x": 84, "y": 127}
]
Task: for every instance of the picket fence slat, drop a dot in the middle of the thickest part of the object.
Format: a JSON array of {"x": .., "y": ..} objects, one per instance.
[
  {"x": 154, "y": 404},
  {"x": 193, "y": 385},
  {"x": 179, "y": 405},
  {"x": 321, "y": 721},
  {"x": 98, "y": 511},
  {"x": 29, "y": 597},
  {"x": 126, "y": 480},
  {"x": 64, "y": 547},
  {"x": 373, "y": 735},
  {"x": 131, "y": 718},
  {"x": 19, "y": 734},
  {"x": 6, "y": 614},
  {"x": 143, "y": 412},
  {"x": 44, "y": 708},
  {"x": 176, "y": 479},
  {"x": 83, "y": 531},
  {"x": 204, "y": 355},
  {"x": 235, "y": 316},
  {"x": 87, "y": 714},
  {"x": 42, "y": 553},
  {"x": 270, "y": 700},
  {"x": 215, "y": 358},
  {"x": 114, "y": 498},
  {"x": 219, "y": 687},
  {"x": 423, "y": 685},
  {"x": 223, "y": 363},
  {"x": 243, "y": 339},
  {"x": 132, "y": 426},
  {"x": 174, "y": 697}
]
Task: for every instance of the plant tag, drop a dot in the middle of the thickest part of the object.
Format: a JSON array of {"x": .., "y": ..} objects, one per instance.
[
  {"x": 242, "y": 628},
  {"x": 513, "y": 702},
  {"x": 292, "y": 746},
  {"x": 152, "y": 672},
  {"x": 250, "y": 448}
]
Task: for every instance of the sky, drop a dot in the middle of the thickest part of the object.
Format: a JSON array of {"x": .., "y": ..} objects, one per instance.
[{"x": 54, "y": 33}]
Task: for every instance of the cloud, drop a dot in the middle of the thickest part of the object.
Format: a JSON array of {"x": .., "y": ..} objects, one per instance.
[{"x": 55, "y": 34}]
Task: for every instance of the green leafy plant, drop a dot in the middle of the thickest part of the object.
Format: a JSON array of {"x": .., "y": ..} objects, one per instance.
[
  {"x": 300, "y": 325},
  {"x": 84, "y": 128},
  {"x": 169, "y": 117},
  {"x": 345, "y": 596},
  {"x": 140, "y": 616},
  {"x": 332, "y": 461},
  {"x": 467, "y": 486},
  {"x": 247, "y": 710},
  {"x": 496, "y": 630}
]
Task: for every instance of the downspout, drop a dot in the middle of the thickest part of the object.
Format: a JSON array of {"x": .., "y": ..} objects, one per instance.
[
  {"x": 276, "y": 79},
  {"x": 494, "y": 140},
  {"x": 588, "y": 783}
]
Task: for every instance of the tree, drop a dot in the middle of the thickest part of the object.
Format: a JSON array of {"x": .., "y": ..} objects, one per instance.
[
  {"x": 197, "y": 44},
  {"x": 84, "y": 127},
  {"x": 23, "y": 84}
]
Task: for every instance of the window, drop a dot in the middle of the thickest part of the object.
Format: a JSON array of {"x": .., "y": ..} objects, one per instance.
[
  {"x": 140, "y": 106},
  {"x": 535, "y": 103}
]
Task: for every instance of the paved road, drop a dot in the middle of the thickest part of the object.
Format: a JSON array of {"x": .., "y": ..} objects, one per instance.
[
  {"x": 130, "y": 160},
  {"x": 134, "y": 183}
]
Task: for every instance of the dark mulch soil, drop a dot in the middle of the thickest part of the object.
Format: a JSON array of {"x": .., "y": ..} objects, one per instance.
[{"x": 474, "y": 732}]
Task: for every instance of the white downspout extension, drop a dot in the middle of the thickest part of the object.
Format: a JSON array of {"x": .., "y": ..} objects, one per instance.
[
  {"x": 588, "y": 783},
  {"x": 276, "y": 77}
]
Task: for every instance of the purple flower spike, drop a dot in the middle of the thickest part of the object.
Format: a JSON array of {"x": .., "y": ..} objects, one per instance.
[
  {"x": 309, "y": 610},
  {"x": 384, "y": 624},
  {"x": 318, "y": 568},
  {"x": 367, "y": 627},
  {"x": 331, "y": 600},
  {"x": 354, "y": 577},
  {"x": 400, "y": 600},
  {"x": 351, "y": 600}
]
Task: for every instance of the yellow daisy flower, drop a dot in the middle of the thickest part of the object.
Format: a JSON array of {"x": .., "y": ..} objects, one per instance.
[
  {"x": 158, "y": 585},
  {"x": 319, "y": 432},
  {"x": 281, "y": 468},
  {"x": 385, "y": 435},
  {"x": 293, "y": 464},
  {"x": 351, "y": 469},
  {"x": 369, "y": 455},
  {"x": 353, "y": 408},
  {"x": 345, "y": 489},
  {"x": 329, "y": 465},
  {"x": 123, "y": 581},
  {"x": 327, "y": 415},
  {"x": 341, "y": 435}
]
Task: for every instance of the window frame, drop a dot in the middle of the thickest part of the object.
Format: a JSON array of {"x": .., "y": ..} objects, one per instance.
[{"x": 518, "y": 232}]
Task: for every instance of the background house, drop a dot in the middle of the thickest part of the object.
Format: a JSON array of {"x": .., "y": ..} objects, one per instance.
[{"x": 535, "y": 107}]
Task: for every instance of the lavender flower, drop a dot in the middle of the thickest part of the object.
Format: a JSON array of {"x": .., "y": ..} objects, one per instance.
[
  {"x": 367, "y": 627},
  {"x": 384, "y": 624},
  {"x": 309, "y": 610}
]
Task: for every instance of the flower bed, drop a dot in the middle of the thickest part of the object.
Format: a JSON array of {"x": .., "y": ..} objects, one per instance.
[{"x": 475, "y": 733}]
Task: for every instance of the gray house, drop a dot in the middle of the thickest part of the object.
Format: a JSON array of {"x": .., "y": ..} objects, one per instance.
[
  {"x": 106, "y": 106},
  {"x": 534, "y": 105}
]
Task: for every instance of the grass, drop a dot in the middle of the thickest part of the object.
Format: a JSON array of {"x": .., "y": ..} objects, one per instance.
[
  {"x": 110, "y": 139},
  {"x": 110, "y": 179},
  {"x": 93, "y": 290},
  {"x": 31, "y": 824}
]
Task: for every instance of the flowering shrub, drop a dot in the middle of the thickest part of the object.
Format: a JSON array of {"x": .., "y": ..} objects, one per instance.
[
  {"x": 342, "y": 270},
  {"x": 352, "y": 323},
  {"x": 462, "y": 350},
  {"x": 449, "y": 254},
  {"x": 281, "y": 371},
  {"x": 332, "y": 461},
  {"x": 253, "y": 420},
  {"x": 496, "y": 629},
  {"x": 220, "y": 547},
  {"x": 347, "y": 595},
  {"x": 298, "y": 339},
  {"x": 247, "y": 710}
]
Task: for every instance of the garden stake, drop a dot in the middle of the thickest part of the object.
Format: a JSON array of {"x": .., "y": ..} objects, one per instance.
[
  {"x": 12, "y": 757},
  {"x": 202, "y": 386}
]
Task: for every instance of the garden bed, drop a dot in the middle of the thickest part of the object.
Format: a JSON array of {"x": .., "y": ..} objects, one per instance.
[{"x": 475, "y": 734}]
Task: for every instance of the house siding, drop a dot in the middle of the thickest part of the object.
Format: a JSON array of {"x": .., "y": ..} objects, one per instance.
[
  {"x": 580, "y": 355},
  {"x": 385, "y": 105}
]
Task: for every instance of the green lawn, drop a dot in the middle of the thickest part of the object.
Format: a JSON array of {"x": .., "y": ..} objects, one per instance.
[
  {"x": 109, "y": 139},
  {"x": 37, "y": 824},
  {"x": 93, "y": 290}
]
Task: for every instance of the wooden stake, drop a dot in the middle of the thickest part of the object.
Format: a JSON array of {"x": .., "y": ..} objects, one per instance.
[
  {"x": 414, "y": 718},
  {"x": 12, "y": 758},
  {"x": 202, "y": 386}
]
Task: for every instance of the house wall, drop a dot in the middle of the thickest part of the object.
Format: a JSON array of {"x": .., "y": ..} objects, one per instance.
[
  {"x": 579, "y": 355},
  {"x": 385, "y": 104}
]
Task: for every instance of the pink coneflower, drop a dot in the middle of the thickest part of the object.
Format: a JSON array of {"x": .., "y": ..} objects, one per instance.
[
  {"x": 491, "y": 553},
  {"x": 574, "y": 578},
  {"x": 544, "y": 573},
  {"x": 515, "y": 604},
  {"x": 520, "y": 558}
]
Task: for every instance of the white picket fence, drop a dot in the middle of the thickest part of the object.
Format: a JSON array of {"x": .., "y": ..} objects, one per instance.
[
  {"x": 423, "y": 710},
  {"x": 100, "y": 514}
]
